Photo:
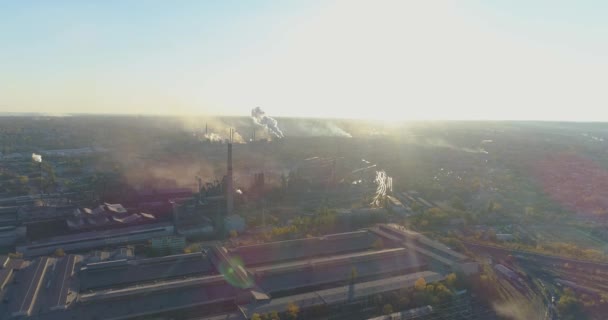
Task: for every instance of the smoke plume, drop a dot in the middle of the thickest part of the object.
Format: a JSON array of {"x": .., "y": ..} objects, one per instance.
[
  {"x": 385, "y": 183},
  {"x": 320, "y": 128},
  {"x": 441, "y": 143},
  {"x": 260, "y": 117},
  {"x": 213, "y": 137},
  {"x": 36, "y": 157}
]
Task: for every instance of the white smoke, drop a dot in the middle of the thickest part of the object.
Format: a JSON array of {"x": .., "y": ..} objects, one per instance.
[
  {"x": 213, "y": 137},
  {"x": 337, "y": 131},
  {"x": 260, "y": 118},
  {"x": 219, "y": 137},
  {"x": 321, "y": 129},
  {"x": 36, "y": 158},
  {"x": 385, "y": 183},
  {"x": 441, "y": 143},
  {"x": 237, "y": 138}
]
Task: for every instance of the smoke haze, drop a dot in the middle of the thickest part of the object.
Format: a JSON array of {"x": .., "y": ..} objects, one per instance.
[{"x": 260, "y": 118}]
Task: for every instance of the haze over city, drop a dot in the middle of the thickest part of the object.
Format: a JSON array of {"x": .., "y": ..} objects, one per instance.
[
  {"x": 397, "y": 60},
  {"x": 297, "y": 160}
]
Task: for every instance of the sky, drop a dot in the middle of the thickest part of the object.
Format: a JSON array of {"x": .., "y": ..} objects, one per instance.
[{"x": 387, "y": 60}]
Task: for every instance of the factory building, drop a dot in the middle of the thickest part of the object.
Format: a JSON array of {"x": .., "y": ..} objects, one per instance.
[
  {"x": 95, "y": 239},
  {"x": 168, "y": 244},
  {"x": 314, "y": 273},
  {"x": 40, "y": 230}
]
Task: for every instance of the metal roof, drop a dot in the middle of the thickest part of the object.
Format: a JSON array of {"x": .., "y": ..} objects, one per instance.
[{"x": 341, "y": 294}]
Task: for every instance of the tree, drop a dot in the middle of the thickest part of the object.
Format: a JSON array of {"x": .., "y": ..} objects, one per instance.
[
  {"x": 233, "y": 234},
  {"x": 378, "y": 244},
  {"x": 457, "y": 203},
  {"x": 387, "y": 309},
  {"x": 353, "y": 275},
  {"x": 16, "y": 255},
  {"x": 491, "y": 235},
  {"x": 292, "y": 310},
  {"x": 23, "y": 180},
  {"x": 256, "y": 316},
  {"x": 420, "y": 284},
  {"x": 59, "y": 252},
  {"x": 404, "y": 302},
  {"x": 416, "y": 207},
  {"x": 569, "y": 306},
  {"x": 274, "y": 316},
  {"x": 450, "y": 280},
  {"x": 442, "y": 293}
]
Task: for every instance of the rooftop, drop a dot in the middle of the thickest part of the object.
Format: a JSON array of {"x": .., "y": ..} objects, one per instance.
[
  {"x": 307, "y": 271},
  {"x": 121, "y": 273},
  {"x": 341, "y": 294}
]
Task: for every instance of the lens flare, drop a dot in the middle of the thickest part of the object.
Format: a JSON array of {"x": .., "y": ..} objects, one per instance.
[{"x": 234, "y": 272}]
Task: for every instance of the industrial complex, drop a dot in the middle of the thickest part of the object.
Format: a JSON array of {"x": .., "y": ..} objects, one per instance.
[
  {"x": 228, "y": 283},
  {"x": 37, "y": 230},
  {"x": 53, "y": 275}
]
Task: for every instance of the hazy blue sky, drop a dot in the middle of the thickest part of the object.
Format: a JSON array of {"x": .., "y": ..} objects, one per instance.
[{"x": 381, "y": 59}]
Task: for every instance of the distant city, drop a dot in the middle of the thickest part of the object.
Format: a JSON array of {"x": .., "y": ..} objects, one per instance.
[{"x": 263, "y": 218}]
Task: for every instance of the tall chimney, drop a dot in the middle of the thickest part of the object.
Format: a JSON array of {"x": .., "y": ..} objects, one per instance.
[{"x": 229, "y": 188}]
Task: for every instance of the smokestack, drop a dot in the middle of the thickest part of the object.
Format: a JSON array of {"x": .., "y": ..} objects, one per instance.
[{"x": 229, "y": 188}]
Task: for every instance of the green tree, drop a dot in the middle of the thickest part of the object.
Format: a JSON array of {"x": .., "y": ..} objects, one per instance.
[
  {"x": 404, "y": 301},
  {"x": 274, "y": 316},
  {"x": 457, "y": 203},
  {"x": 570, "y": 307},
  {"x": 256, "y": 316},
  {"x": 416, "y": 207},
  {"x": 387, "y": 309}
]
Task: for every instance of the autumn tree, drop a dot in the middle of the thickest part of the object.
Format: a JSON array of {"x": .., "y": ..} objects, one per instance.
[
  {"x": 292, "y": 310},
  {"x": 420, "y": 284},
  {"x": 274, "y": 316},
  {"x": 378, "y": 244},
  {"x": 450, "y": 280},
  {"x": 353, "y": 274},
  {"x": 59, "y": 252}
]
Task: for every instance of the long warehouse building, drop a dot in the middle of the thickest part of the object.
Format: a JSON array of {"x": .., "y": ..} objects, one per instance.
[{"x": 232, "y": 283}]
